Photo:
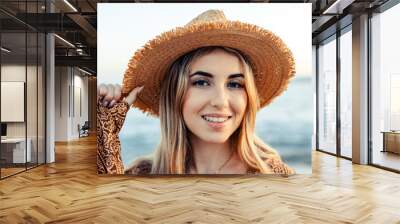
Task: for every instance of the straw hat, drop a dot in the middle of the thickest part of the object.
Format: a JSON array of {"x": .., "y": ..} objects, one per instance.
[{"x": 271, "y": 60}]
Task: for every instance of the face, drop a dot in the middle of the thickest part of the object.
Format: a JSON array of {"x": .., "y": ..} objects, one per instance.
[{"x": 216, "y": 98}]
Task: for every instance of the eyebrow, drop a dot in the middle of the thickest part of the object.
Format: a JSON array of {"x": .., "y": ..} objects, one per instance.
[{"x": 202, "y": 73}]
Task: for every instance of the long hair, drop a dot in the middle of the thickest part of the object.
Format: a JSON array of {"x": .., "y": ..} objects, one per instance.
[{"x": 174, "y": 154}]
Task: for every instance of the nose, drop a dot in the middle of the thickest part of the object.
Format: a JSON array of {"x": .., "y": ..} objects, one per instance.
[{"x": 220, "y": 97}]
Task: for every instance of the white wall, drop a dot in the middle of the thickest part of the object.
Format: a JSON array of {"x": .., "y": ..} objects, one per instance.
[
  {"x": 61, "y": 103},
  {"x": 16, "y": 73},
  {"x": 70, "y": 84},
  {"x": 33, "y": 126},
  {"x": 81, "y": 89}
]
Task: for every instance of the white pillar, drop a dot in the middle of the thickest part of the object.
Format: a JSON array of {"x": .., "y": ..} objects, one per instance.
[
  {"x": 360, "y": 90},
  {"x": 50, "y": 104},
  {"x": 50, "y": 92},
  {"x": 315, "y": 109}
]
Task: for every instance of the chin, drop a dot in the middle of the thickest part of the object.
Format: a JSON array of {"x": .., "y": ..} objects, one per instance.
[{"x": 214, "y": 138}]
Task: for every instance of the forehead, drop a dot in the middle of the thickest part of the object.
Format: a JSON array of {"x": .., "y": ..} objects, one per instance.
[{"x": 218, "y": 63}]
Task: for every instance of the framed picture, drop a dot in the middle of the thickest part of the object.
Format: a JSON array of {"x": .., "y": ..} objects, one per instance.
[{"x": 204, "y": 88}]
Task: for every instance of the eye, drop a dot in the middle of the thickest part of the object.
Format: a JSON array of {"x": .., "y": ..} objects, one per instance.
[
  {"x": 235, "y": 85},
  {"x": 200, "y": 82}
]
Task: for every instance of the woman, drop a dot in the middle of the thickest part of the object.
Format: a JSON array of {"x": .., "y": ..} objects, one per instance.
[{"x": 206, "y": 94}]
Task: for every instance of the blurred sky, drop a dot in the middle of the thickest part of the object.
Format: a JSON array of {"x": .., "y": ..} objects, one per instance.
[{"x": 122, "y": 28}]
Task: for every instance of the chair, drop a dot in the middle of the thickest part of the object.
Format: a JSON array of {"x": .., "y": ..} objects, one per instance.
[{"x": 84, "y": 130}]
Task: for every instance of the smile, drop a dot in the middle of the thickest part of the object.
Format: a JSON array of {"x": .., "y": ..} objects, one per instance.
[{"x": 216, "y": 119}]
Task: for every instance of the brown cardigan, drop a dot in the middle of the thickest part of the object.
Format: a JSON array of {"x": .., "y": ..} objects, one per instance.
[{"x": 109, "y": 123}]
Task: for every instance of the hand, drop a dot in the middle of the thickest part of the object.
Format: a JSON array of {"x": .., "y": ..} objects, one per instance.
[{"x": 110, "y": 94}]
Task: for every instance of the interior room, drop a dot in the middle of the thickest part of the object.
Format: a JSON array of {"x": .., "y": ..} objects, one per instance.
[
  {"x": 48, "y": 121},
  {"x": 22, "y": 101}
]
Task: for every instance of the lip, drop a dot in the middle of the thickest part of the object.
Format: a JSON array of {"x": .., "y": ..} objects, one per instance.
[
  {"x": 217, "y": 115},
  {"x": 215, "y": 125}
]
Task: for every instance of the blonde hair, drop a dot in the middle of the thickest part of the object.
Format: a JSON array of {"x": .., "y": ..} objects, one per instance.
[{"x": 174, "y": 154}]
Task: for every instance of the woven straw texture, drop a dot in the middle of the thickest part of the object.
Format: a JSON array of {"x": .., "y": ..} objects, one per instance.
[{"x": 271, "y": 60}]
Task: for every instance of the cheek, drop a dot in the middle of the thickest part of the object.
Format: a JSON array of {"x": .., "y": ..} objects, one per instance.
[
  {"x": 239, "y": 103},
  {"x": 192, "y": 104}
]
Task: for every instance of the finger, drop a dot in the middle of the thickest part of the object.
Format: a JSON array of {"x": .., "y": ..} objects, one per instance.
[
  {"x": 117, "y": 95},
  {"x": 110, "y": 95},
  {"x": 101, "y": 91},
  {"x": 132, "y": 95}
]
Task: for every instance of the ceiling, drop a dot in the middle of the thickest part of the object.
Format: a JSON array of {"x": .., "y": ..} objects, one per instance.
[{"x": 76, "y": 22}]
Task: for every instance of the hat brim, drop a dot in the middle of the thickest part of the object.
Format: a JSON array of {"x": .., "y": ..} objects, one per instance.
[{"x": 271, "y": 60}]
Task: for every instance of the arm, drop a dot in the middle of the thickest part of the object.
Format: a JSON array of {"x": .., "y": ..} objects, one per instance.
[
  {"x": 109, "y": 123},
  {"x": 111, "y": 113}
]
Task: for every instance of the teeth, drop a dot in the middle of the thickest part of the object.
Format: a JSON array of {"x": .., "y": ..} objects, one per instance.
[{"x": 215, "y": 119}]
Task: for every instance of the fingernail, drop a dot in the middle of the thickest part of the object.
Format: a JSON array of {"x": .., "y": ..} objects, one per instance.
[
  {"x": 112, "y": 103},
  {"x": 141, "y": 88},
  {"x": 105, "y": 103}
]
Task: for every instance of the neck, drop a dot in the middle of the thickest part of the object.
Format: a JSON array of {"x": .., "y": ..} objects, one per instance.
[{"x": 210, "y": 157}]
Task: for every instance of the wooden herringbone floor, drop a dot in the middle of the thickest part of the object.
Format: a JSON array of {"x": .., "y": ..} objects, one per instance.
[{"x": 69, "y": 191}]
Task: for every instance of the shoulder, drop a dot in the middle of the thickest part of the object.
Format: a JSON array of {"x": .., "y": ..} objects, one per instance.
[
  {"x": 273, "y": 160},
  {"x": 140, "y": 166},
  {"x": 279, "y": 167}
]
